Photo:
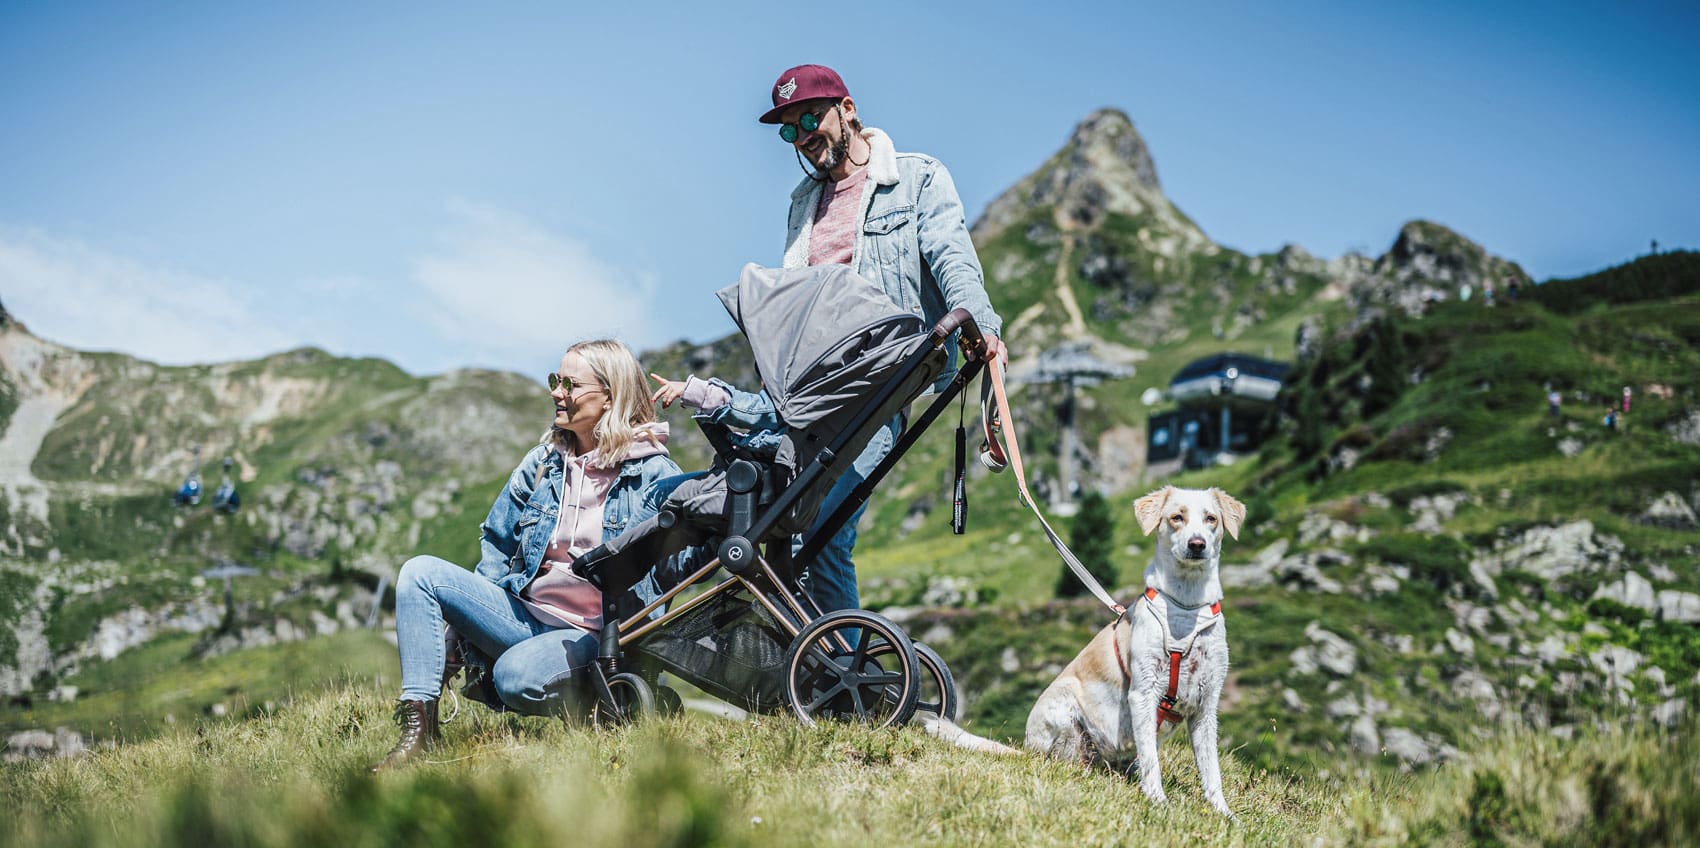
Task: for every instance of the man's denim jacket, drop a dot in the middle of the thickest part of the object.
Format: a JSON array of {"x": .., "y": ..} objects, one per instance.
[{"x": 913, "y": 240}]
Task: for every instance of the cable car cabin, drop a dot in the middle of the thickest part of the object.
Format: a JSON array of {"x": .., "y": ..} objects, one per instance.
[{"x": 1229, "y": 394}]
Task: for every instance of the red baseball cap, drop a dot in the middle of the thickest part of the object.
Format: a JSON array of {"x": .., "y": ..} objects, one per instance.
[{"x": 804, "y": 82}]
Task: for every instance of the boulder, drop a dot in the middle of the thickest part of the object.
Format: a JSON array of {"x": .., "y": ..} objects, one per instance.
[
  {"x": 1412, "y": 749},
  {"x": 1669, "y": 714},
  {"x": 1551, "y": 552},
  {"x": 1342, "y": 707},
  {"x": 1683, "y": 607},
  {"x": 1631, "y": 591},
  {"x": 1686, "y": 429},
  {"x": 1617, "y": 664},
  {"x": 1671, "y": 511},
  {"x": 1364, "y": 736},
  {"x": 1460, "y": 644},
  {"x": 1328, "y": 652}
]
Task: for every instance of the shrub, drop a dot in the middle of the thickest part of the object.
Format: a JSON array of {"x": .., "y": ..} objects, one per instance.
[{"x": 1093, "y": 540}]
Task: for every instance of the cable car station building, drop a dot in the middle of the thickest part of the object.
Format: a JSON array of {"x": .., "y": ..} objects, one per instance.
[{"x": 1224, "y": 401}]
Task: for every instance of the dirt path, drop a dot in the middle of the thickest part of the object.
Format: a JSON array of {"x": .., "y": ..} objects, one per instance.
[
  {"x": 1076, "y": 327},
  {"x": 30, "y": 424}
]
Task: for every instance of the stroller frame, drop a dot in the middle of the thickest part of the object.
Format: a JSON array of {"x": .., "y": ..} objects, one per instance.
[{"x": 848, "y": 663}]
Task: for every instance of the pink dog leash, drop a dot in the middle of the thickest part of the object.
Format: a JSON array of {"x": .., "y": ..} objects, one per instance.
[{"x": 992, "y": 454}]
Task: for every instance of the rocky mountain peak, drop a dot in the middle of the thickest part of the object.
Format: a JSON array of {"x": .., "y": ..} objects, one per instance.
[
  {"x": 1429, "y": 261},
  {"x": 1107, "y": 138},
  {"x": 1435, "y": 253},
  {"x": 1104, "y": 167}
]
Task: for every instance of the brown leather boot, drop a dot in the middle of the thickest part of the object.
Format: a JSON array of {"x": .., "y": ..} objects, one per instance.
[{"x": 418, "y": 720}]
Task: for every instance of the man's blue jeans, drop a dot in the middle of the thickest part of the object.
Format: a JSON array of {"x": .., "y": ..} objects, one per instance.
[
  {"x": 539, "y": 669},
  {"x": 831, "y": 578}
]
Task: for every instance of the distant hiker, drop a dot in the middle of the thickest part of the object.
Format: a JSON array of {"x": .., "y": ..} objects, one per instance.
[
  {"x": 1554, "y": 399},
  {"x": 1611, "y": 417},
  {"x": 1464, "y": 292},
  {"x": 527, "y": 621},
  {"x": 893, "y": 217},
  {"x": 1626, "y": 395},
  {"x": 1511, "y": 288},
  {"x": 1487, "y": 292}
]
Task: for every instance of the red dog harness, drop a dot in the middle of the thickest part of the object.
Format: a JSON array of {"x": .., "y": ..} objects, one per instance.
[{"x": 1177, "y": 648}]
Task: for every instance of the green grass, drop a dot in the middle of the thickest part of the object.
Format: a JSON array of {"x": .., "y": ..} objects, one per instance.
[
  {"x": 294, "y": 776},
  {"x": 147, "y": 691},
  {"x": 1628, "y": 787}
]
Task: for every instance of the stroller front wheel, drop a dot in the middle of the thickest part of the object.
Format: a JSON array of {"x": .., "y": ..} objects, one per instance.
[
  {"x": 852, "y": 665},
  {"x": 628, "y": 699}
]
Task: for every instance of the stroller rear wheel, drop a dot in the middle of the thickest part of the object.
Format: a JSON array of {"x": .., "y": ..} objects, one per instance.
[
  {"x": 629, "y": 698},
  {"x": 938, "y": 689},
  {"x": 852, "y": 665}
]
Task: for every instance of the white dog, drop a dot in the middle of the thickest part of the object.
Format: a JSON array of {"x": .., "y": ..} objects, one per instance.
[{"x": 1162, "y": 661}]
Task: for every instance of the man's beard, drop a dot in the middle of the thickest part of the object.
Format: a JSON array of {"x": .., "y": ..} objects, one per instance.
[{"x": 837, "y": 151}]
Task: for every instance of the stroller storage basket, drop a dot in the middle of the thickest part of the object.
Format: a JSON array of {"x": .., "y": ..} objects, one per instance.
[{"x": 729, "y": 647}]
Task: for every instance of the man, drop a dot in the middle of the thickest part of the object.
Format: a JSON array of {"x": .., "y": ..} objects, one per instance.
[
  {"x": 893, "y": 217},
  {"x": 896, "y": 219}
]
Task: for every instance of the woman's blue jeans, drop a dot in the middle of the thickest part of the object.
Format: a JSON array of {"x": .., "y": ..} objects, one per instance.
[{"x": 539, "y": 669}]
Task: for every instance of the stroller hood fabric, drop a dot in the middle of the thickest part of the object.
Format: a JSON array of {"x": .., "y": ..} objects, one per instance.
[
  {"x": 826, "y": 342},
  {"x": 823, "y": 337}
]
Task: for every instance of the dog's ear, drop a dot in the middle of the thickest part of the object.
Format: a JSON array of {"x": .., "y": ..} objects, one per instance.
[
  {"x": 1149, "y": 509},
  {"x": 1233, "y": 512}
]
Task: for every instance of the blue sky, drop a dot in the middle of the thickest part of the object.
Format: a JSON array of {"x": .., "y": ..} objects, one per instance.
[{"x": 451, "y": 185}]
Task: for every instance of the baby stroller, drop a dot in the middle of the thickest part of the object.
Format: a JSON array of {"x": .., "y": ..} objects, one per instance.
[{"x": 839, "y": 359}]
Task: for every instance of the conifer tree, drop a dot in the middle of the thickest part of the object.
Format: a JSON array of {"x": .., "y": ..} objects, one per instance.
[
  {"x": 1309, "y": 429},
  {"x": 1386, "y": 367},
  {"x": 1093, "y": 539}
]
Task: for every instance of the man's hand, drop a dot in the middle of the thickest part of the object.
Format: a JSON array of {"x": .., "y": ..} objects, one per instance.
[
  {"x": 995, "y": 350},
  {"x": 668, "y": 391}
]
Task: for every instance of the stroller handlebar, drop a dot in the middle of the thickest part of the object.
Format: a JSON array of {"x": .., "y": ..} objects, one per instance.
[{"x": 973, "y": 343}]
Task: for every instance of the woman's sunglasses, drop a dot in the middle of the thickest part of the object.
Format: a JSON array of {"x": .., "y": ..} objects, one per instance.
[
  {"x": 556, "y": 381},
  {"x": 808, "y": 123}
]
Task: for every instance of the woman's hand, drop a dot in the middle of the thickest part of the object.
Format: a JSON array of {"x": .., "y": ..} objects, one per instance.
[{"x": 668, "y": 391}]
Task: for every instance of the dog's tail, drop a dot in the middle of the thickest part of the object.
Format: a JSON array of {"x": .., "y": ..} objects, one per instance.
[{"x": 943, "y": 728}]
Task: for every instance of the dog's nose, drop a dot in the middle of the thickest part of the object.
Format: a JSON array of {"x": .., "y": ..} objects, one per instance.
[{"x": 1195, "y": 546}]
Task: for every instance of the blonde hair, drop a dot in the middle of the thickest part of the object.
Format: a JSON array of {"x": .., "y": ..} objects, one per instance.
[{"x": 628, "y": 400}]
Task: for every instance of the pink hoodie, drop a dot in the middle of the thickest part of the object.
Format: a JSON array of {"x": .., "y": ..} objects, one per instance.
[{"x": 556, "y": 596}]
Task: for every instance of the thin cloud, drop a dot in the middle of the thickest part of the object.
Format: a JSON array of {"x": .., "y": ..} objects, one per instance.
[
  {"x": 494, "y": 290},
  {"x": 503, "y": 289},
  {"x": 88, "y": 298}
]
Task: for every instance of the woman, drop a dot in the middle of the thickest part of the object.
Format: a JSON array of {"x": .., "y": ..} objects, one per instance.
[{"x": 523, "y": 605}]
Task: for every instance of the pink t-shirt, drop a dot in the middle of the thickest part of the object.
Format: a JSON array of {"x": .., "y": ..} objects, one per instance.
[{"x": 833, "y": 238}]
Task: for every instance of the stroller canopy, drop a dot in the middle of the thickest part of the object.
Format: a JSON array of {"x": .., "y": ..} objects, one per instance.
[{"x": 822, "y": 338}]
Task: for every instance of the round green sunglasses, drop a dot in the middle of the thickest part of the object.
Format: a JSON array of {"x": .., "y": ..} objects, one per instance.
[{"x": 807, "y": 123}]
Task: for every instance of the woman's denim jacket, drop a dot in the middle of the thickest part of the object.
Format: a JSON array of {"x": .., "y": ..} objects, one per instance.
[{"x": 517, "y": 531}]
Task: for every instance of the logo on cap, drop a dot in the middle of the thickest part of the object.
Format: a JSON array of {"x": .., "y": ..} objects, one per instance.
[{"x": 789, "y": 88}]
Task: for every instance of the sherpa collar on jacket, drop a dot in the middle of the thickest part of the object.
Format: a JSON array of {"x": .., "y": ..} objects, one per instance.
[
  {"x": 882, "y": 165},
  {"x": 882, "y": 170}
]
